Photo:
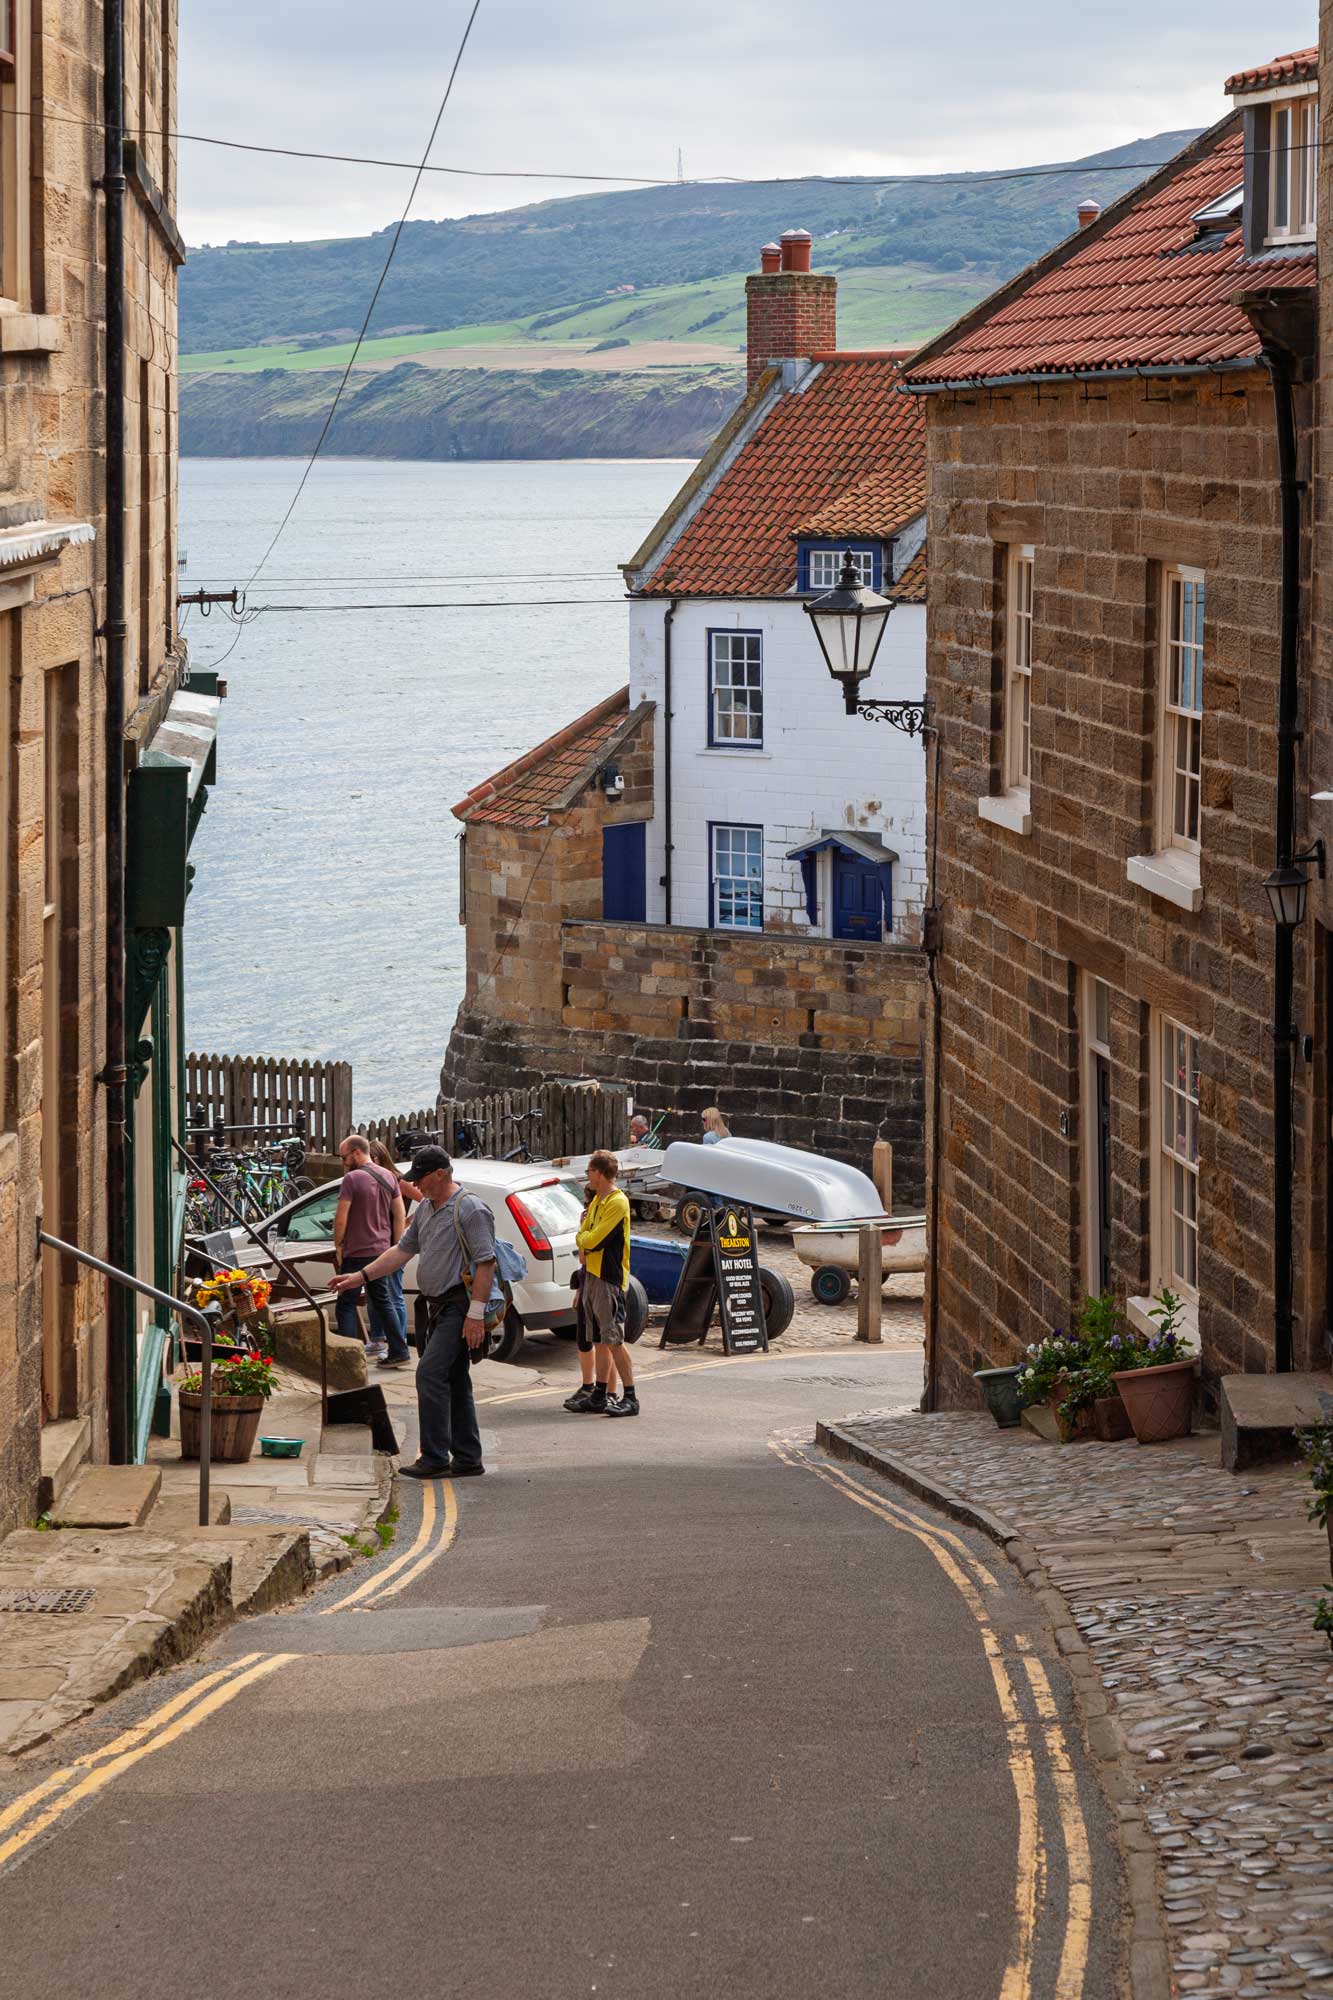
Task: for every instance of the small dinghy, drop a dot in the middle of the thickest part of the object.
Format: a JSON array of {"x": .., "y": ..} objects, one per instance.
[{"x": 777, "y": 1180}]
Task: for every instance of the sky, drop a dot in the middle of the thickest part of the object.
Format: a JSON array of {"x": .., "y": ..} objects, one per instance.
[{"x": 755, "y": 88}]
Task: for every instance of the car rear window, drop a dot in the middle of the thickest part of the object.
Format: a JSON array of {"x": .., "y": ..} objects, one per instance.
[{"x": 555, "y": 1208}]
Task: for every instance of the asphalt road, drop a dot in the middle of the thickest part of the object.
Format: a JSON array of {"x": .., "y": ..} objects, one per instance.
[{"x": 666, "y": 1707}]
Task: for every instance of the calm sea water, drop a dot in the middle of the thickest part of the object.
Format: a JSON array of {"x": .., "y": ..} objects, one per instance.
[{"x": 323, "y": 921}]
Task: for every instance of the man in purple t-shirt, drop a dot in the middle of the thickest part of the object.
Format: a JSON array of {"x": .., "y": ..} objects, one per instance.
[{"x": 369, "y": 1217}]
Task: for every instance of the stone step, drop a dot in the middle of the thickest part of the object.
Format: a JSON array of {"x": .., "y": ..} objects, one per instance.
[
  {"x": 65, "y": 1449},
  {"x": 109, "y": 1496},
  {"x": 177, "y": 1513},
  {"x": 270, "y": 1564},
  {"x": 1261, "y": 1415}
]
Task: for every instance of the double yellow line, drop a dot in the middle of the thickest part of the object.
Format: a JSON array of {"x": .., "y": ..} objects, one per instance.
[
  {"x": 33, "y": 1815},
  {"x": 439, "y": 1525},
  {"x": 971, "y": 1577}
]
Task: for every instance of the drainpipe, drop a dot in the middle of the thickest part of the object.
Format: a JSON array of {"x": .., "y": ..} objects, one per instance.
[
  {"x": 120, "y": 1322},
  {"x": 1278, "y": 363},
  {"x": 667, "y": 623},
  {"x": 931, "y": 941}
]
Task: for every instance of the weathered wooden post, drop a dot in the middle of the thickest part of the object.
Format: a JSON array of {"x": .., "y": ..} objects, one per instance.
[
  {"x": 881, "y": 1173},
  {"x": 870, "y": 1283}
]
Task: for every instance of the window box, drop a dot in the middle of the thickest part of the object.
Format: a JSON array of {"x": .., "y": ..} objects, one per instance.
[
  {"x": 1008, "y": 809},
  {"x": 1171, "y": 874}
]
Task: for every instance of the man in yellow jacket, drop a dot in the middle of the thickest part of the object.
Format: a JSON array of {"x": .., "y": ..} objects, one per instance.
[{"x": 604, "y": 1244}]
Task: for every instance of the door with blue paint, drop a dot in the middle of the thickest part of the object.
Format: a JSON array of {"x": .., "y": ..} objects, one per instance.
[
  {"x": 858, "y": 902},
  {"x": 625, "y": 873}
]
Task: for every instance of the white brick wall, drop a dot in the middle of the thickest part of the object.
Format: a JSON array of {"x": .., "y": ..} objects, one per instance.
[{"x": 818, "y": 767}]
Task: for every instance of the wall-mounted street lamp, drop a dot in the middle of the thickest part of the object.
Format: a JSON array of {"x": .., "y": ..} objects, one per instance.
[
  {"x": 849, "y": 623},
  {"x": 1287, "y": 888}
]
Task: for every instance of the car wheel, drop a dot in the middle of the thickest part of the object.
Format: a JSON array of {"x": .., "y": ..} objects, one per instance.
[
  {"x": 688, "y": 1214},
  {"x": 830, "y": 1285},
  {"x": 636, "y": 1309},
  {"x": 779, "y": 1301},
  {"x": 507, "y": 1339}
]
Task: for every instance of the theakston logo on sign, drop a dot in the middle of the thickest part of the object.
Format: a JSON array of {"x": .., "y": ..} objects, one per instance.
[{"x": 734, "y": 1239}]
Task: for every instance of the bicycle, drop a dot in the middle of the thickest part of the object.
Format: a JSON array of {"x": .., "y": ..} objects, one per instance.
[{"x": 522, "y": 1151}]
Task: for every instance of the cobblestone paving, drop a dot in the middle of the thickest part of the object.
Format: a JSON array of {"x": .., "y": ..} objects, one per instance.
[{"x": 1222, "y": 1692}]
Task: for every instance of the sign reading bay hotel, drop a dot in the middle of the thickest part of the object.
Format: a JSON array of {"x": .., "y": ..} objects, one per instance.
[{"x": 722, "y": 1270}]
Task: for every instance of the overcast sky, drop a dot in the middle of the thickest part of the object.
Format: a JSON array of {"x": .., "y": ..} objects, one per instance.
[{"x": 748, "y": 87}]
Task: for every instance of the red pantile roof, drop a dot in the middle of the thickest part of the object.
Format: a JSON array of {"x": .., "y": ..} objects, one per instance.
[
  {"x": 846, "y": 452},
  {"x": 1303, "y": 67},
  {"x": 910, "y": 587},
  {"x": 1140, "y": 289},
  {"x": 541, "y": 780}
]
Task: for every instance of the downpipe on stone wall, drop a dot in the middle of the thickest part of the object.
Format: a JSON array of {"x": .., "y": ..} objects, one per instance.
[
  {"x": 119, "y": 1316},
  {"x": 930, "y": 938}
]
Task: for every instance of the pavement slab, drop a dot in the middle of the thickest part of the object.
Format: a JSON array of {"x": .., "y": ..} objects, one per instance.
[{"x": 1189, "y": 1592}]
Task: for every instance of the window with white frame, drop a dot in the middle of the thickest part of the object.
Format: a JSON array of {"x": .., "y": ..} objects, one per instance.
[
  {"x": 1181, "y": 733},
  {"x": 736, "y": 690},
  {"x": 1018, "y": 670},
  {"x": 738, "y": 878},
  {"x": 825, "y": 567},
  {"x": 15, "y": 146},
  {"x": 1176, "y": 1179},
  {"x": 1293, "y": 163}
]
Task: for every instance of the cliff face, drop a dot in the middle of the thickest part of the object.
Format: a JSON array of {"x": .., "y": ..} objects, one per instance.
[{"x": 459, "y": 413}]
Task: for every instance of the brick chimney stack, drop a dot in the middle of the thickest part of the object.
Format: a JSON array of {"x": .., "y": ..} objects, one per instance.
[
  {"x": 1088, "y": 211},
  {"x": 790, "y": 310}
]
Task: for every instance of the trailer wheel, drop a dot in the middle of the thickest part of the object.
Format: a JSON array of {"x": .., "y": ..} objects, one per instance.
[
  {"x": 688, "y": 1213},
  {"x": 636, "y": 1309},
  {"x": 830, "y": 1285},
  {"x": 779, "y": 1301}
]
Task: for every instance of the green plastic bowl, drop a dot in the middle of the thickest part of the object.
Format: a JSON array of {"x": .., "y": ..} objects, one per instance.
[{"x": 280, "y": 1447}]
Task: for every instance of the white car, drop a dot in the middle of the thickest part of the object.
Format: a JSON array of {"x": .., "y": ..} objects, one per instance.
[{"x": 534, "y": 1209}]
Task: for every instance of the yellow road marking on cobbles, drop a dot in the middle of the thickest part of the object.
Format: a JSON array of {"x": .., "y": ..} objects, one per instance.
[
  {"x": 1031, "y": 1860},
  {"x": 93, "y": 1773},
  {"x": 374, "y": 1584}
]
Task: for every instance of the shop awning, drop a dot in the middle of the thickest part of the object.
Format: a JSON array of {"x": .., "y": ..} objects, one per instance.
[
  {"x": 188, "y": 733},
  {"x": 861, "y": 846}
]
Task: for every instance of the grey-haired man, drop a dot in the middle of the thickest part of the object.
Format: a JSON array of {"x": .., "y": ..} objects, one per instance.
[{"x": 450, "y": 1232}]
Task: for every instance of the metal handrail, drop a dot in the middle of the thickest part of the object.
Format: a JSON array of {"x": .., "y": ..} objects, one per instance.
[
  {"x": 184, "y": 1311},
  {"x": 273, "y": 1257}
]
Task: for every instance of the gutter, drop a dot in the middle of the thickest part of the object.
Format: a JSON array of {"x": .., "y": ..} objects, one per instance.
[
  {"x": 120, "y": 1326},
  {"x": 1050, "y": 376}
]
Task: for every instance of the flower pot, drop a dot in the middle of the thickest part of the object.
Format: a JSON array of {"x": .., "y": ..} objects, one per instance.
[
  {"x": 1160, "y": 1401},
  {"x": 235, "y": 1426},
  {"x": 1076, "y": 1430},
  {"x": 1110, "y": 1419},
  {"x": 1000, "y": 1388}
]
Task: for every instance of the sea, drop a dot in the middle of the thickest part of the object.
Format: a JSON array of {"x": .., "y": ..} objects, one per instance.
[{"x": 416, "y": 626}]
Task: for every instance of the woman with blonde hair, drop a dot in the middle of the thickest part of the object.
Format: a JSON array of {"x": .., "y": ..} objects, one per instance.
[{"x": 716, "y": 1127}]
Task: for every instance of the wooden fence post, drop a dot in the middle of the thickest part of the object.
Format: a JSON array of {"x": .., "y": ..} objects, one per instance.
[{"x": 870, "y": 1283}]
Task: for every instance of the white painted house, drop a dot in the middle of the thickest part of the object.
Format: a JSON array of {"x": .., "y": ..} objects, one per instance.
[{"x": 773, "y": 808}]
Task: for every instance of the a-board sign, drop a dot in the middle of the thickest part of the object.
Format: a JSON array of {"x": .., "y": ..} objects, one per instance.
[{"x": 721, "y": 1272}]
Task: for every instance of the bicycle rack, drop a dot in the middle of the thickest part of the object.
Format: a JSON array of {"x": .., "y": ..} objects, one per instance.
[{"x": 183, "y": 1311}]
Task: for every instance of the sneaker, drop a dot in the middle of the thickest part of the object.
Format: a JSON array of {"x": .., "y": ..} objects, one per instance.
[
  {"x": 377, "y": 1350},
  {"x": 623, "y": 1406},
  {"x": 460, "y": 1469},
  {"x": 396, "y": 1361},
  {"x": 425, "y": 1468},
  {"x": 581, "y": 1398}
]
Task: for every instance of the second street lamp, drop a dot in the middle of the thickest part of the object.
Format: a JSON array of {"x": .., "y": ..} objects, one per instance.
[{"x": 849, "y": 623}]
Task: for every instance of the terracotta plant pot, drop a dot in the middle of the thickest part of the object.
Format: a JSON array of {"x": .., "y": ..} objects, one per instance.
[
  {"x": 1000, "y": 1388},
  {"x": 1110, "y": 1419},
  {"x": 1160, "y": 1401},
  {"x": 235, "y": 1426},
  {"x": 1082, "y": 1427}
]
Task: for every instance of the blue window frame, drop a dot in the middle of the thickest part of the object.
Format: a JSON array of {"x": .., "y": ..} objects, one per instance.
[
  {"x": 736, "y": 690},
  {"x": 819, "y": 564},
  {"x": 736, "y": 877}
]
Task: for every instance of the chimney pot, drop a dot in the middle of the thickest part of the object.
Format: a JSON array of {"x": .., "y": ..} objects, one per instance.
[
  {"x": 796, "y": 249},
  {"x": 770, "y": 258},
  {"x": 1088, "y": 211}
]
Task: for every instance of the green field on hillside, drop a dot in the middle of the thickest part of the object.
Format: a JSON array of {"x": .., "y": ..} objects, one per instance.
[{"x": 877, "y": 307}]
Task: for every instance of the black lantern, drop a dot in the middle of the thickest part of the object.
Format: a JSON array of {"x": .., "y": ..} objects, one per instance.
[
  {"x": 1288, "y": 887},
  {"x": 849, "y": 624}
]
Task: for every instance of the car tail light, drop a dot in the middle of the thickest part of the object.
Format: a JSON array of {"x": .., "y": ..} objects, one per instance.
[{"x": 529, "y": 1227}]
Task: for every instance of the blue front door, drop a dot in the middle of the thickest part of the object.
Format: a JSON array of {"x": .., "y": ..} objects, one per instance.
[
  {"x": 858, "y": 902},
  {"x": 625, "y": 872}
]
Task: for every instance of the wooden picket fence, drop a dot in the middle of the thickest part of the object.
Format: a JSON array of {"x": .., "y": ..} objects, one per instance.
[
  {"x": 386, "y": 1130},
  {"x": 271, "y": 1090},
  {"x": 554, "y": 1121}
]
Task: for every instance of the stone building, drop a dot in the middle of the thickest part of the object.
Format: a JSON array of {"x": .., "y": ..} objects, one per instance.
[
  {"x": 54, "y": 1361},
  {"x": 1105, "y": 612},
  {"x": 709, "y": 888}
]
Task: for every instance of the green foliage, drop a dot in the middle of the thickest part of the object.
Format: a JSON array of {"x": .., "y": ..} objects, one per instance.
[
  {"x": 1317, "y": 1451},
  {"x": 1323, "y": 1619},
  {"x": 237, "y": 1375},
  {"x": 1084, "y": 1361}
]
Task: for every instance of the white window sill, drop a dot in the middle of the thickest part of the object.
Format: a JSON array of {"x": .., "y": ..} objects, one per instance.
[
  {"x": 756, "y": 756},
  {"x": 31, "y": 333},
  {"x": 1171, "y": 874},
  {"x": 1009, "y": 809},
  {"x": 1139, "y": 1314}
]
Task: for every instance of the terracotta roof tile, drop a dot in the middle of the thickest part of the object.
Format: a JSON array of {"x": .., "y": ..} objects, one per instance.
[
  {"x": 1136, "y": 294},
  {"x": 1302, "y": 67},
  {"x": 524, "y": 792},
  {"x": 847, "y": 452},
  {"x": 910, "y": 587}
]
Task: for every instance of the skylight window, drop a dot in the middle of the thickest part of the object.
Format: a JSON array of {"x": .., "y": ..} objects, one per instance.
[{"x": 1220, "y": 215}]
